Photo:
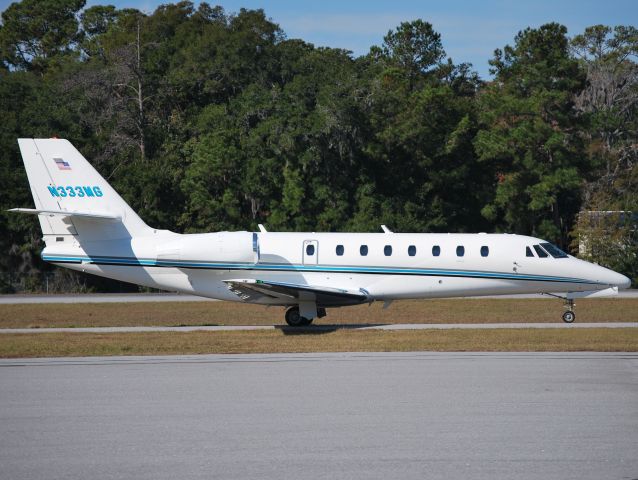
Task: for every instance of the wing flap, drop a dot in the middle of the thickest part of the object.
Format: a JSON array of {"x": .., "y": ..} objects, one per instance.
[{"x": 289, "y": 293}]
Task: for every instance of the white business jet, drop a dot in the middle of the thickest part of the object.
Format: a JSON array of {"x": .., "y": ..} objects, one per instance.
[{"x": 88, "y": 227}]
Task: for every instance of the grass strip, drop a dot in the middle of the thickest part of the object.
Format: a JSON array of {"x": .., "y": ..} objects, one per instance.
[
  {"x": 228, "y": 313},
  {"x": 340, "y": 340}
]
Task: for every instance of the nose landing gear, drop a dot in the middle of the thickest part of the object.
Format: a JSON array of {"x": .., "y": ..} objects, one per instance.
[{"x": 569, "y": 316}]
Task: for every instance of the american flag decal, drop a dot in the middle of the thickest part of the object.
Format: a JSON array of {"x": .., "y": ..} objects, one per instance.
[{"x": 62, "y": 165}]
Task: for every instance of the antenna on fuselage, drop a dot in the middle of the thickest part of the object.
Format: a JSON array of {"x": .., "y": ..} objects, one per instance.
[
  {"x": 262, "y": 229},
  {"x": 386, "y": 229}
]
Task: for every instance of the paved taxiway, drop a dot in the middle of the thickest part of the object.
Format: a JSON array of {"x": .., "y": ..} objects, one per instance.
[
  {"x": 318, "y": 327},
  {"x": 385, "y": 415}
]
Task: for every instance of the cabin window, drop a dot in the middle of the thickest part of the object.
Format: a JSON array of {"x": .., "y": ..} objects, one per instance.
[
  {"x": 460, "y": 251},
  {"x": 310, "y": 250},
  {"x": 59, "y": 239},
  {"x": 387, "y": 250},
  {"x": 363, "y": 250},
  {"x": 412, "y": 250},
  {"x": 340, "y": 250},
  {"x": 540, "y": 252},
  {"x": 436, "y": 251},
  {"x": 528, "y": 252},
  {"x": 553, "y": 250},
  {"x": 485, "y": 251}
]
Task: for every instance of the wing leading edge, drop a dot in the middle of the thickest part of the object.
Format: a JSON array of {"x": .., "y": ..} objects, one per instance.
[{"x": 255, "y": 291}]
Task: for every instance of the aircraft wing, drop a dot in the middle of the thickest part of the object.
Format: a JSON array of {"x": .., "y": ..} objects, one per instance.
[{"x": 290, "y": 293}]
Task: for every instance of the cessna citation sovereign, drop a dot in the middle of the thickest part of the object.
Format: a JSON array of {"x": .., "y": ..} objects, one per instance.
[{"x": 88, "y": 227}]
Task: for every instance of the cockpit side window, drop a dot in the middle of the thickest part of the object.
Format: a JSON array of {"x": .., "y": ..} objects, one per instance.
[
  {"x": 528, "y": 252},
  {"x": 540, "y": 252},
  {"x": 553, "y": 250}
]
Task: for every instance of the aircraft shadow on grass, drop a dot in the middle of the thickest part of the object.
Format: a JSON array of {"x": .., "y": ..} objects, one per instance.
[{"x": 322, "y": 329}]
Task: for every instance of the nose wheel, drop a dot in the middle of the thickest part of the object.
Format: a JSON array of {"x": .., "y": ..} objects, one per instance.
[{"x": 569, "y": 316}]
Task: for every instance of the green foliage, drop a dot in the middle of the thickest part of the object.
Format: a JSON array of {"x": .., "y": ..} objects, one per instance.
[
  {"x": 609, "y": 238},
  {"x": 529, "y": 135},
  {"x": 414, "y": 47},
  {"x": 609, "y": 102},
  {"x": 36, "y": 32},
  {"x": 206, "y": 120}
]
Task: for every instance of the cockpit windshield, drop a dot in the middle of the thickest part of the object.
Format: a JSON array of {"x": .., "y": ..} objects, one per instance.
[
  {"x": 553, "y": 250},
  {"x": 540, "y": 252}
]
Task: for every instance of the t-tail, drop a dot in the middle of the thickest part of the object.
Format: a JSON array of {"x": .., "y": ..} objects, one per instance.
[
  {"x": 74, "y": 203},
  {"x": 88, "y": 227}
]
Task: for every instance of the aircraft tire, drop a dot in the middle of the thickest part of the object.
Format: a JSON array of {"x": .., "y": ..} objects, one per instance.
[
  {"x": 569, "y": 316},
  {"x": 293, "y": 318}
]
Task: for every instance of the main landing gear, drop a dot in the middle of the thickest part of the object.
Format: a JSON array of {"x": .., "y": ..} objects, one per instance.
[{"x": 295, "y": 319}]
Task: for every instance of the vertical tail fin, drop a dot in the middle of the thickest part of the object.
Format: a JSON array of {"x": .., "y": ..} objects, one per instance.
[{"x": 62, "y": 180}]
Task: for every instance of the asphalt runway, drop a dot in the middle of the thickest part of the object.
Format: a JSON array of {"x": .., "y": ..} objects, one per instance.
[
  {"x": 175, "y": 297},
  {"x": 322, "y": 327},
  {"x": 366, "y": 415}
]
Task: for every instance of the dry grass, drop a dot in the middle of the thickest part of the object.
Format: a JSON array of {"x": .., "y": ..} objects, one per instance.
[
  {"x": 340, "y": 340},
  {"x": 227, "y": 313}
]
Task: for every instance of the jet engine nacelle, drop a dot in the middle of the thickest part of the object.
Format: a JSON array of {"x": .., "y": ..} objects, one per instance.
[{"x": 222, "y": 247}]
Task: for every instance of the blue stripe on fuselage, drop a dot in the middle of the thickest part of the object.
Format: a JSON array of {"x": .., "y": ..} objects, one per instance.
[{"x": 141, "y": 262}]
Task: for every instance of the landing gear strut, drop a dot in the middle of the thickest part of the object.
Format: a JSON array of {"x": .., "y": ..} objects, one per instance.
[{"x": 294, "y": 318}]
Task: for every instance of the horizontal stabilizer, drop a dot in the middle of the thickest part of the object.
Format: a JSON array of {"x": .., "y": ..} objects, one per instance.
[
  {"x": 64, "y": 213},
  {"x": 290, "y": 293}
]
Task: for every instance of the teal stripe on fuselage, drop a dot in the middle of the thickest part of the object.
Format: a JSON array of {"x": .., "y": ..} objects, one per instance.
[{"x": 141, "y": 262}]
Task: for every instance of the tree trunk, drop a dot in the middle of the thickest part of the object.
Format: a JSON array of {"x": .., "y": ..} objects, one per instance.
[{"x": 140, "y": 99}]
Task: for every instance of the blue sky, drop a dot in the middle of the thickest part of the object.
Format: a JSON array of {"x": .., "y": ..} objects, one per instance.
[{"x": 470, "y": 30}]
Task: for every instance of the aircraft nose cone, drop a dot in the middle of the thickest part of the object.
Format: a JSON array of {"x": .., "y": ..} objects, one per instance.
[
  {"x": 611, "y": 278},
  {"x": 624, "y": 282},
  {"x": 617, "y": 280}
]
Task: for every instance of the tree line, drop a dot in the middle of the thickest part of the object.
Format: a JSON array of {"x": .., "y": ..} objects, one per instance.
[{"x": 208, "y": 120}]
